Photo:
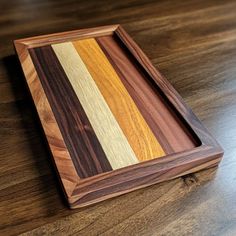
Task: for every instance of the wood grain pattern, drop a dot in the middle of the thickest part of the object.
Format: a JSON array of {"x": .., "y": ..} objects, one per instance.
[
  {"x": 60, "y": 154},
  {"x": 198, "y": 131},
  {"x": 43, "y": 40},
  {"x": 111, "y": 137},
  {"x": 193, "y": 44},
  {"x": 123, "y": 180},
  {"x": 82, "y": 143},
  {"x": 129, "y": 118},
  {"x": 160, "y": 116},
  {"x": 139, "y": 176}
]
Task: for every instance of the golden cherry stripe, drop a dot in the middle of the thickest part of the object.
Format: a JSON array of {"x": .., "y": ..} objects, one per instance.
[
  {"x": 112, "y": 139},
  {"x": 131, "y": 121}
]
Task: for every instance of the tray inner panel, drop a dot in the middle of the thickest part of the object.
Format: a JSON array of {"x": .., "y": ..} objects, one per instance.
[{"x": 109, "y": 111}]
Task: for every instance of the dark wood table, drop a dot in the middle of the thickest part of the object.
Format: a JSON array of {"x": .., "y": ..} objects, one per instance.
[{"x": 193, "y": 43}]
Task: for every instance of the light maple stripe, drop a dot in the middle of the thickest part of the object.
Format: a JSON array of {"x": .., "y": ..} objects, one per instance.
[
  {"x": 113, "y": 141},
  {"x": 131, "y": 121}
]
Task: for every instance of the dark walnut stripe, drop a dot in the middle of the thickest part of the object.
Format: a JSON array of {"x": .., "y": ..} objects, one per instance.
[
  {"x": 163, "y": 121},
  {"x": 81, "y": 141}
]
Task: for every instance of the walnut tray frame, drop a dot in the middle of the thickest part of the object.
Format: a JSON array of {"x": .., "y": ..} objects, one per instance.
[{"x": 81, "y": 192}]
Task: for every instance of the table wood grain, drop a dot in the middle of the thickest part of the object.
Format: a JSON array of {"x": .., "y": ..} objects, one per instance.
[{"x": 193, "y": 43}]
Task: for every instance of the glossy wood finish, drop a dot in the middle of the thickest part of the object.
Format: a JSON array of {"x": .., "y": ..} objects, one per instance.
[
  {"x": 137, "y": 131},
  {"x": 85, "y": 147},
  {"x": 160, "y": 116},
  {"x": 110, "y": 135},
  {"x": 193, "y": 45},
  {"x": 125, "y": 176}
]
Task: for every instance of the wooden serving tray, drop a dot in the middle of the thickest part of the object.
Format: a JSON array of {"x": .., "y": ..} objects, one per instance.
[{"x": 113, "y": 123}]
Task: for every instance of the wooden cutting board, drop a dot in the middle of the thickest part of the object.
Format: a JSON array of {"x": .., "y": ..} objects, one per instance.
[{"x": 113, "y": 123}]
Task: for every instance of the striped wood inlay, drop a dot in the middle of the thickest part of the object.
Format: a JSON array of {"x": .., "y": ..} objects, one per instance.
[
  {"x": 108, "y": 131},
  {"x": 81, "y": 141},
  {"x": 163, "y": 121},
  {"x": 131, "y": 121}
]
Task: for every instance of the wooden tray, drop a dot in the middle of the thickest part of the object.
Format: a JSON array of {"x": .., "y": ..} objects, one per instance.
[{"x": 113, "y": 123}]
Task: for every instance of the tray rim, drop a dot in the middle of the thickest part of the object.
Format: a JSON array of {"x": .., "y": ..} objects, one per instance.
[{"x": 208, "y": 154}]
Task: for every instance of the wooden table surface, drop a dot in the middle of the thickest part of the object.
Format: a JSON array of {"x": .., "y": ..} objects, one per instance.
[{"x": 193, "y": 43}]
